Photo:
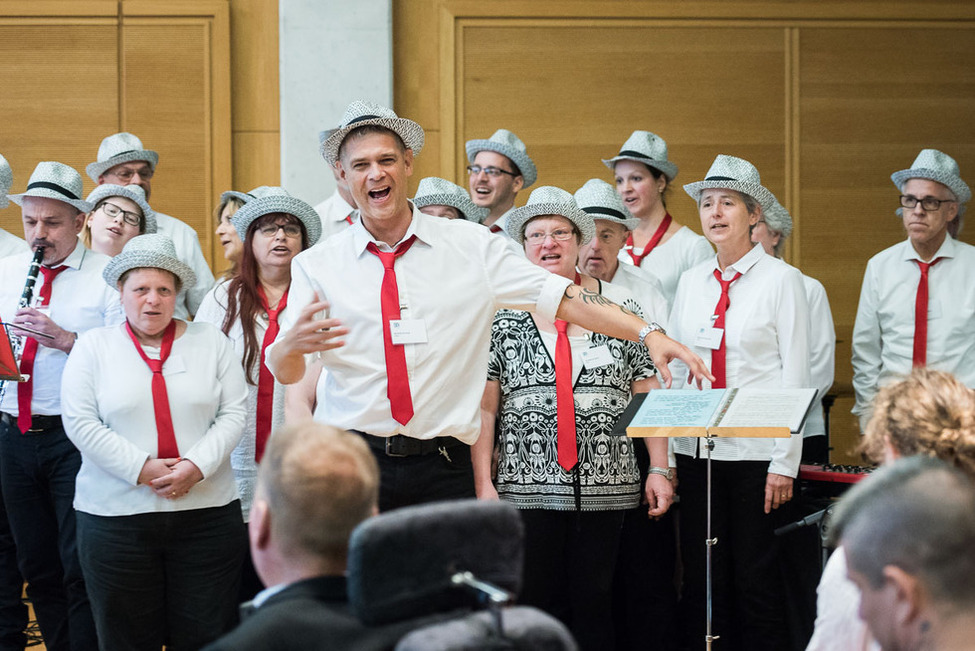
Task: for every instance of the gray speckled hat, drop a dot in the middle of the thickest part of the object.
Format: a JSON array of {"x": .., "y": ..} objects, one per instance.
[
  {"x": 256, "y": 193},
  {"x": 120, "y": 148},
  {"x": 602, "y": 201},
  {"x": 273, "y": 203},
  {"x": 647, "y": 148},
  {"x": 152, "y": 250},
  {"x": 434, "y": 191},
  {"x": 6, "y": 180},
  {"x": 778, "y": 219},
  {"x": 549, "y": 200},
  {"x": 132, "y": 193},
  {"x": 937, "y": 166},
  {"x": 734, "y": 174},
  {"x": 507, "y": 144},
  {"x": 360, "y": 114},
  {"x": 52, "y": 180}
]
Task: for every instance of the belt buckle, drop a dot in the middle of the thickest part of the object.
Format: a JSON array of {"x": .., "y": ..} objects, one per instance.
[{"x": 395, "y": 446}]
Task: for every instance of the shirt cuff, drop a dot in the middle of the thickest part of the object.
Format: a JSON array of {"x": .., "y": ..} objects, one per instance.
[{"x": 551, "y": 296}]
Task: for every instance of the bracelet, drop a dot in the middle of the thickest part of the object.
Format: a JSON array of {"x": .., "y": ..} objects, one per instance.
[
  {"x": 663, "y": 472},
  {"x": 647, "y": 329}
]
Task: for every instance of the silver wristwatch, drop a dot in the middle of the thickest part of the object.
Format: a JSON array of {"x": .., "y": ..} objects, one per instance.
[
  {"x": 663, "y": 472},
  {"x": 653, "y": 326}
]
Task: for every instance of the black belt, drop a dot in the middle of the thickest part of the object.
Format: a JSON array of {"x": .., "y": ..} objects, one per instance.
[
  {"x": 407, "y": 446},
  {"x": 38, "y": 423}
]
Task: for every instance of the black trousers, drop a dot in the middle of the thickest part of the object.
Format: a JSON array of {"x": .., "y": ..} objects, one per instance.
[
  {"x": 748, "y": 591},
  {"x": 406, "y": 481}
]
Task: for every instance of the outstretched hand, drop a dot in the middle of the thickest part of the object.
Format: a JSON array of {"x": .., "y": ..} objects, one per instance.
[{"x": 664, "y": 350}]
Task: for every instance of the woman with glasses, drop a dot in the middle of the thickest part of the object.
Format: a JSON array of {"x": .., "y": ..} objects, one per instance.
[
  {"x": 555, "y": 391},
  {"x": 658, "y": 244},
  {"x": 120, "y": 213},
  {"x": 247, "y": 307}
]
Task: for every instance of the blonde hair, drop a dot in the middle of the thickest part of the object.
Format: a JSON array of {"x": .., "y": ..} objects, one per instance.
[{"x": 929, "y": 413}]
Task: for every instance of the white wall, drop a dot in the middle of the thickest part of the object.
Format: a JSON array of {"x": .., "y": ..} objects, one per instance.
[{"x": 331, "y": 52}]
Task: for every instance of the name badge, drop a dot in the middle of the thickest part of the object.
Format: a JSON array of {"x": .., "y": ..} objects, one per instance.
[
  {"x": 408, "y": 331},
  {"x": 708, "y": 337},
  {"x": 174, "y": 364},
  {"x": 598, "y": 356},
  {"x": 934, "y": 309}
]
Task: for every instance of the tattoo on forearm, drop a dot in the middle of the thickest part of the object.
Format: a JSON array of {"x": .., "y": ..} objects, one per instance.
[{"x": 592, "y": 298}]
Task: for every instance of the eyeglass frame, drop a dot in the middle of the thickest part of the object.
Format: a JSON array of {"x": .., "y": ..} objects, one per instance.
[
  {"x": 537, "y": 239},
  {"x": 907, "y": 198},
  {"x": 123, "y": 212},
  {"x": 126, "y": 174},
  {"x": 266, "y": 231},
  {"x": 490, "y": 170}
]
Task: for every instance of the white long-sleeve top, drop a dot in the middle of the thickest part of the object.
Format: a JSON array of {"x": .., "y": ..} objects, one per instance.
[
  {"x": 766, "y": 343},
  {"x": 213, "y": 310},
  {"x": 453, "y": 279},
  {"x": 647, "y": 291},
  {"x": 883, "y": 335},
  {"x": 822, "y": 352},
  {"x": 669, "y": 260},
  {"x": 106, "y": 399},
  {"x": 333, "y": 212},
  {"x": 10, "y": 244}
]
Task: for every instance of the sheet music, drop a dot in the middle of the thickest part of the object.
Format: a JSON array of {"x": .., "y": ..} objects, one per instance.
[
  {"x": 768, "y": 408},
  {"x": 678, "y": 408}
]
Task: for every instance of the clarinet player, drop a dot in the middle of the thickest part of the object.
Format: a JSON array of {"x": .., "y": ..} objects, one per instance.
[{"x": 38, "y": 463}]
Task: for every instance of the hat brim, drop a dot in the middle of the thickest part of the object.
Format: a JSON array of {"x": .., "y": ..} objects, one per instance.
[
  {"x": 521, "y": 160},
  {"x": 596, "y": 212},
  {"x": 4, "y": 202},
  {"x": 148, "y": 214},
  {"x": 44, "y": 193},
  {"x": 409, "y": 132},
  {"x": 98, "y": 168},
  {"x": 756, "y": 191},
  {"x": 667, "y": 168},
  {"x": 128, "y": 260},
  {"x": 468, "y": 209},
  {"x": 243, "y": 197},
  {"x": 255, "y": 208},
  {"x": 517, "y": 218},
  {"x": 954, "y": 183}
]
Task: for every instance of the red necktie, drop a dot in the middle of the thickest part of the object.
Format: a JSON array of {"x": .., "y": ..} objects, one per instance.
[
  {"x": 25, "y": 392},
  {"x": 921, "y": 314},
  {"x": 564, "y": 399},
  {"x": 397, "y": 378},
  {"x": 654, "y": 241},
  {"x": 348, "y": 219},
  {"x": 494, "y": 228},
  {"x": 165, "y": 436},
  {"x": 265, "y": 380},
  {"x": 718, "y": 369}
]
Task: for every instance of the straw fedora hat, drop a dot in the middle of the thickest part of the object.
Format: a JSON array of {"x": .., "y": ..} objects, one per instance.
[
  {"x": 152, "y": 250},
  {"x": 120, "y": 148},
  {"x": 734, "y": 174},
  {"x": 434, "y": 191},
  {"x": 52, "y": 180},
  {"x": 6, "y": 180},
  {"x": 360, "y": 114},
  {"x": 507, "y": 144},
  {"x": 647, "y": 148},
  {"x": 937, "y": 166},
  {"x": 778, "y": 219},
  {"x": 549, "y": 200},
  {"x": 132, "y": 193},
  {"x": 602, "y": 201},
  {"x": 256, "y": 193},
  {"x": 275, "y": 202}
]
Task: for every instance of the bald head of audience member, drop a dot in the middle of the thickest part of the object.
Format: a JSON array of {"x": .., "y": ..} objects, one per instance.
[
  {"x": 316, "y": 483},
  {"x": 908, "y": 533}
]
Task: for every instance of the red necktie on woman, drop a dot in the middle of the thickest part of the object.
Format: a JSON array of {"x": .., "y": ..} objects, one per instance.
[
  {"x": 568, "y": 451},
  {"x": 651, "y": 245},
  {"x": 921, "y": 314},
  {"x": 718, "y": 369},
  {"x": 25, "y": 392},
  {"x": 165, "y": 436},
  {"x": 265, "y": 380},
  {"x": 397, "y": 378}
]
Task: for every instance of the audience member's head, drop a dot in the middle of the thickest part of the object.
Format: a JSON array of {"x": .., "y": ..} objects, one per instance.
[
  {"x": 908, "y": 532},
  {"x": 315, "y": 485}
]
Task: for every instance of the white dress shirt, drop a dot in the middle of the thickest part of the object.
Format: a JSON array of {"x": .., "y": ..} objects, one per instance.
[
  {"x": 212, "y": 310},
  {"x": 838, "y": 626},
  {"x": 822, "y": 352},
  {"x": 80, "y": 301},
  {"x": 647, "y": 291},
  {"x": 883, "y": 335},
  {"x": 453, "y": 279},
  {"x": 109, "y": 416},
  {"x": 187, "y": 244},
  {"x": 10, "y": 244},
  {"x": 766, "y": 344},
  {"x": 669, "y": 260},
  {"x": 333, "y": 212}
]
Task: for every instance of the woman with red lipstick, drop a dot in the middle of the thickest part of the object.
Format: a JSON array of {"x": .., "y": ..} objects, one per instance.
[
  {"x": 556, "y": 390},
  {"x": 747, "y": 312},
  {"x": 120, "y": 213},
  {"x": 247, "y": 307},
  {"x": 658, "y": 244},
  {"x": 155, "y": 406}
]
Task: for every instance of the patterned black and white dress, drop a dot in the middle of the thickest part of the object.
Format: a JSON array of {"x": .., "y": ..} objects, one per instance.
[{"x": 529, "y": 475}]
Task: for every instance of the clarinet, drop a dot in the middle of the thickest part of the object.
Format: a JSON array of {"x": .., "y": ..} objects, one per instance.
[{"x": 25, "y": 300}]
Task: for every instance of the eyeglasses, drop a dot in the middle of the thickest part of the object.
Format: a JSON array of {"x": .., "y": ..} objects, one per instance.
[
  {"x": 125, "y": 174},
  {"x": 290, "y": 230},
  {"x": 927, "y": 203},
  {"x": 113, "y": 211},
  {"x": 560, "y": 235},
  {"x": 495, "y": 172}
]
